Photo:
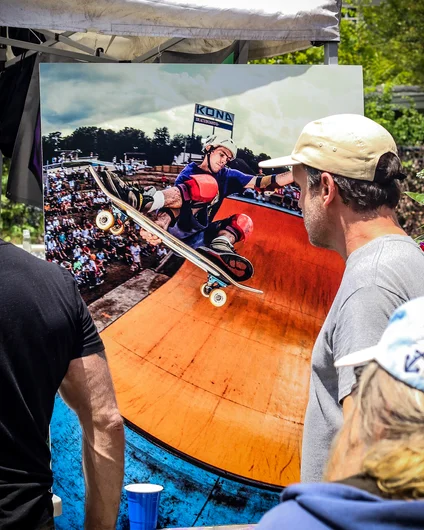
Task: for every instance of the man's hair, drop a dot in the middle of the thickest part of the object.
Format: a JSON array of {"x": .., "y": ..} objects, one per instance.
[
  {"x": 366, "y": 196},
  {"x": 392, "y": 428}
]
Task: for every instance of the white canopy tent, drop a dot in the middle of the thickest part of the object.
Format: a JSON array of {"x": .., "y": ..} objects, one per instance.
[{"x": 142, "y": 30}]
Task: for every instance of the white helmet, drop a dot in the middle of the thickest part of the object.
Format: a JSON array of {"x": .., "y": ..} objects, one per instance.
[{"x": 217, "y": 140}]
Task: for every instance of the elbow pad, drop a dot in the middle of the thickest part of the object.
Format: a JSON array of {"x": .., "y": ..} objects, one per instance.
[{"x": 199, "y": 188}]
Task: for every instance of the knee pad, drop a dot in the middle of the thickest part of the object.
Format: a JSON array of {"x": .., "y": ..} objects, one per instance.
[
  {"x": 199, "y": 188},
  {"x": 242, "y": 225}
]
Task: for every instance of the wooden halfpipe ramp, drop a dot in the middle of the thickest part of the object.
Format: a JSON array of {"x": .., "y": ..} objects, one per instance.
[{"x": 227, "y": 387}]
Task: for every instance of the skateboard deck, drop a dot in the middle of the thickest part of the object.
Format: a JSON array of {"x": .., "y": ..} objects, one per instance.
[{"x": 217, "y": 277}]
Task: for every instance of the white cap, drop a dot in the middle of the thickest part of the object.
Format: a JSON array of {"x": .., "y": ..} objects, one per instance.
[
  {"x": 400, "y": 350},
  {"x": 349, "y": 145}
]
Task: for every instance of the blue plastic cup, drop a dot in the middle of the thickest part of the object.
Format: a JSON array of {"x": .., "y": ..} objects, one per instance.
[{"x": 143, "y": 505}]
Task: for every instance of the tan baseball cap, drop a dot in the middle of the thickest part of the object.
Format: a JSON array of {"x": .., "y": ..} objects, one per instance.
[{"x": 349, "y": 145}]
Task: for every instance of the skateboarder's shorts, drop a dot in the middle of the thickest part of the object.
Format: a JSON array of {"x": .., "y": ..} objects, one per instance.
[{"x": 201, "y": 237}]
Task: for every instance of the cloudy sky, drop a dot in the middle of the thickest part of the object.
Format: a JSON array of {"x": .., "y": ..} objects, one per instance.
[{"x": 271, "y": 103}]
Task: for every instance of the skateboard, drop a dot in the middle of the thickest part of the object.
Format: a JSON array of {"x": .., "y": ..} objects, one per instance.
[{"x": 217, "y": 278}]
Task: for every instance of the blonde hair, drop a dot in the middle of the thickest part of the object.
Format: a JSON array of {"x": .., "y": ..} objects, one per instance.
[{"x": 391, "y": 416}]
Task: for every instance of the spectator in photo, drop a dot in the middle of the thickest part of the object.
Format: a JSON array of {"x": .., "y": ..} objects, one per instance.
[
  {"x": 375, "y": 473},
  {"x": 128, "y": 256},
  {"x": 288, "y": 198},
  {"x": 110, "y": 251},
  {"x": 135, "y": 253},
  {"x": 77, "y": 265},
  {"x": 250, "y": 193},
  {"x": 162, "y": 252},
  {"x": 101, "y": 256}
]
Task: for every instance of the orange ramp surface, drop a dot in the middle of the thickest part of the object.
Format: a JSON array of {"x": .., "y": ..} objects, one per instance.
[{"x": 228, "y": 386}]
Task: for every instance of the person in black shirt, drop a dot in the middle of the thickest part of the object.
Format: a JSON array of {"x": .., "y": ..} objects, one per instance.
[{"x": 48, "y": 342}]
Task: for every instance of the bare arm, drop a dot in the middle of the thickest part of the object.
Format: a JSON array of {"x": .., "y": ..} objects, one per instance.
[
  {"x": 172, "y": 197},
  {"x": 87, "y": 388},
  {"x": 173, "y": 201}
]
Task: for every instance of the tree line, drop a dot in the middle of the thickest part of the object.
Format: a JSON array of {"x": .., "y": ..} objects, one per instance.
[{"x": 158, "y": 150}]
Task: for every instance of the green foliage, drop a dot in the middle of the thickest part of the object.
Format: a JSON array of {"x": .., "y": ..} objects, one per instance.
[
  {"x": 406, "y": 124},
  {"x": 357, "y": 47},
  {"x": 397, "y": 32},
  {"x": 408, "y": 127},
  {"x": 419, "y": 197},
  {"x": 16, "y": 217},
  {"x": 362, "y": 42},
  {"x": 314, "y": 55},
  {"x": 387, "y": 39}
]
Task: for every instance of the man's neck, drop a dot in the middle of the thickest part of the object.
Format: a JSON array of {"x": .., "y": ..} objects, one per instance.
[{"x": 358, "y": 230}]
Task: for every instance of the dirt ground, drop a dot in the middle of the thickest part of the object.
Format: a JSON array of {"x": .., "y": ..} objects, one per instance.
[{"x": 119, "y": 272}]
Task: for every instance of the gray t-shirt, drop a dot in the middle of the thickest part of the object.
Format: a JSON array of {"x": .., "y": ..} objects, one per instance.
[{"x": 379, "y": 277}]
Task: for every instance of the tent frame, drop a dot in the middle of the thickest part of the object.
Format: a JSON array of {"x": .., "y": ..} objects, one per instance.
[{"x": 98, "y": 55}]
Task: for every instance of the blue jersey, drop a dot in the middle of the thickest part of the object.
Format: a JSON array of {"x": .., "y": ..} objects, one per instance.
[{"x": 229, "y": 181}]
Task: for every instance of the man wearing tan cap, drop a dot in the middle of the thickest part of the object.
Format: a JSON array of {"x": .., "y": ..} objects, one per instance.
[{"x": 348, "y": 170}]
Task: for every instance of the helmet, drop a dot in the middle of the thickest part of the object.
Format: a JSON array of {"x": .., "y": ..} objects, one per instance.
[{"x": 217, "y": 140}]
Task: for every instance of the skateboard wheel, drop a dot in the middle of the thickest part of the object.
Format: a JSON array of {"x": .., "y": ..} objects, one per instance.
[
  {"x": 206, "y": 290},
  {"x": 218, "y": 297},
  {"x": 105, "y": 220},
  {"x": 117, "y": 229}
]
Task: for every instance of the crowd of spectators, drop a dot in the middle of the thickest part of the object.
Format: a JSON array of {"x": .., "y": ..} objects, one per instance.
[
  {"x": 72, "y": 238},
  {"x": 71, "y": 191},
  {"x": 287, "y": 197}
]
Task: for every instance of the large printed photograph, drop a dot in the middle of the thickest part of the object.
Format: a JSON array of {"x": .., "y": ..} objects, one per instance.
[
  {"x": 195, "y": 264},
  {"x": 148, "y": 128}
]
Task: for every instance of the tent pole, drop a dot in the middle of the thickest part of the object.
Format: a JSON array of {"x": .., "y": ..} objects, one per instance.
[
  {"x": 3, "y": 50},
  {"x": 241, "y": 52},
  {"x": 331, "y": 53},
  {"x": 69, "y": 42},
  {"x": 48, "y": 43},
  {"x": 54, "y": 51}
]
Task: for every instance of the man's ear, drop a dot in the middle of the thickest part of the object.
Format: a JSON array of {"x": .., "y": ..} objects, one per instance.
[{"x": 328, "y": 188}]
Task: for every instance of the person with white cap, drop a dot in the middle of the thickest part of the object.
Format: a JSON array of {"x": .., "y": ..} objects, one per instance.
[
  {"x": 348, "y": 169},
  {"x": 188, "y": 208},
  {"x": 375, "y": 474}
]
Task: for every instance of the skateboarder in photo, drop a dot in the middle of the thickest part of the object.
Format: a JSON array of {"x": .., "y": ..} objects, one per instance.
[{"x": 187, "y": 209}]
